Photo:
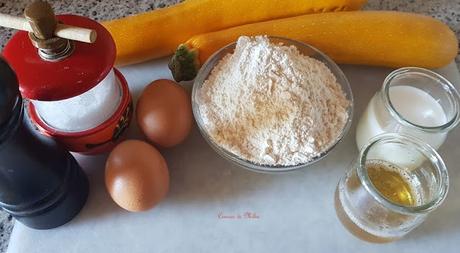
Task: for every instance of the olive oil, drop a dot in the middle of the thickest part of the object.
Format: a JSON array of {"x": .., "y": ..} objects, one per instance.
[{"x": 392, "y": 182}]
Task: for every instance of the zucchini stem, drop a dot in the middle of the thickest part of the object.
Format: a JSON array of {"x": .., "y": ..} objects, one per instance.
[{"x": 184, "y": 64}]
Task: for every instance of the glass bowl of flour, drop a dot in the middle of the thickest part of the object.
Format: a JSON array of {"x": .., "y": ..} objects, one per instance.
[{"x": 271, "y": 104}]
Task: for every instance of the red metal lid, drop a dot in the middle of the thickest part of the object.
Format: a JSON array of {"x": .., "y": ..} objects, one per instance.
[{"x": 43, "y": 80}]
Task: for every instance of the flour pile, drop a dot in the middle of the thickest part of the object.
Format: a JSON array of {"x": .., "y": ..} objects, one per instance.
[{"x": 271, "y": 105}]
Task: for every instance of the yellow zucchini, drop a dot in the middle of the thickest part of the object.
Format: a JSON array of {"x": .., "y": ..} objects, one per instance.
[
  {"x": 157, "y": 33},
  {"x": 379, "y": 38}
]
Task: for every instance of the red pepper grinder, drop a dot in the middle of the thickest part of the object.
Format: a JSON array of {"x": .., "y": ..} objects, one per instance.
[{"x": 74, "y": 94}]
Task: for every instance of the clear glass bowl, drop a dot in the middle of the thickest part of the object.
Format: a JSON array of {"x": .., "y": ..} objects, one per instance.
[{"x": 304, "y": 49}]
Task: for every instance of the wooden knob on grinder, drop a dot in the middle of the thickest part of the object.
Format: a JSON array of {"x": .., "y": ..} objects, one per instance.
[{"x": 41, "y": 18}]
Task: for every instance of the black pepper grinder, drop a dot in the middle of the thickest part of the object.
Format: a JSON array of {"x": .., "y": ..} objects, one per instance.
[{"x": 41, "y": 184}]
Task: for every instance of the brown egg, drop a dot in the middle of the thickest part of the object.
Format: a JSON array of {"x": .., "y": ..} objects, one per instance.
[
  {"x": 136, "y": 175},
  {"x": 164, "y": 113}
]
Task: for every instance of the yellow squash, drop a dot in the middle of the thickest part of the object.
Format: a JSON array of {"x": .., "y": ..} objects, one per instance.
[
  {"x": 158, "y": 33},
  {"x": 379, "y": 38}
]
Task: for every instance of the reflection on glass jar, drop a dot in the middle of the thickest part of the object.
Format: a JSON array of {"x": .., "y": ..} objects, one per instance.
[
  {"x": 413, "y": 101},
  {"x": 380, "y": 199}
]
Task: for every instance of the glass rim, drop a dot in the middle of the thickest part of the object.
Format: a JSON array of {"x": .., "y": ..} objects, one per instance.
[
  {"x": 424, "y": 148},
  {"x": 452, "y": 93}
]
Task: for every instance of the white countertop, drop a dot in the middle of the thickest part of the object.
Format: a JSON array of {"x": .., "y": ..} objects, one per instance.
[{"x": 295, "y": 211}]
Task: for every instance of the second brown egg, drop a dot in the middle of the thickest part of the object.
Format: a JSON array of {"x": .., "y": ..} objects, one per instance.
[{"x": 164, "y": 113}]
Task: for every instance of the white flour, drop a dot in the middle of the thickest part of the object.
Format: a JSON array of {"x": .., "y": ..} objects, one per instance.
[{"x": 271, "y": 105}]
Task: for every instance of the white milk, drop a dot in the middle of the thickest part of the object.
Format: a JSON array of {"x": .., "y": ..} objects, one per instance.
[{"x": 415, "y": 105}]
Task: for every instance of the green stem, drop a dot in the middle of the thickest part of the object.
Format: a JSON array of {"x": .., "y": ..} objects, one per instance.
[{"x": 184, "y": 64}]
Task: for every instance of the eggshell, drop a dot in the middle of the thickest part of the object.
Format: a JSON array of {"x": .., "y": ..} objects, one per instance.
[
  {"x": 164, "y": 113},
  {"x": 136, "y": 175}
]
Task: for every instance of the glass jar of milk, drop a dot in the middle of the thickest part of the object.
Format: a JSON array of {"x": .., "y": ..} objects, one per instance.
[{"x": 412, "y": 101}]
